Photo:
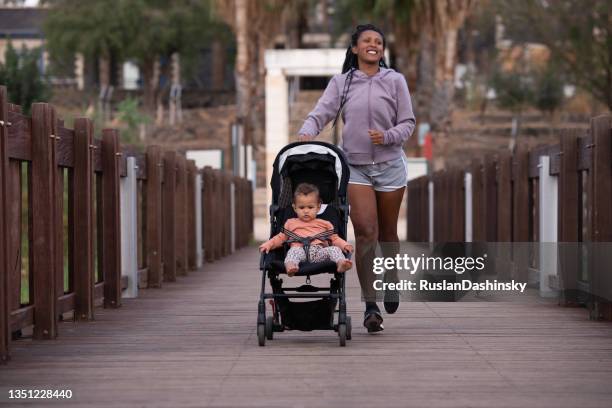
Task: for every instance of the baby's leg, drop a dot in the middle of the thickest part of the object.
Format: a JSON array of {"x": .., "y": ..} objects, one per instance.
[
  {"x": 295, "y": 255},
  {"x": 335, "y": 254}
]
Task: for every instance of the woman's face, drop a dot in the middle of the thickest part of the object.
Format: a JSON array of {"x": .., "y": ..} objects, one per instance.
[{"x": 369, "y": 48}]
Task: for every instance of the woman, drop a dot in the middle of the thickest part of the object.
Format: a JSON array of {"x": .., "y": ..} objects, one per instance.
[{"x": 377, "y": 112}]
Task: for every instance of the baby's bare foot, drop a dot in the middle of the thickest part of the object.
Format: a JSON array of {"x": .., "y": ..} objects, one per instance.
[
  {"x": 344, "y": 265},
  {"x": 291, "y": 269}
]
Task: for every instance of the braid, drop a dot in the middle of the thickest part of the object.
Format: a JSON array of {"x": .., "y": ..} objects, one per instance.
[{"x": 351, "y": 63}]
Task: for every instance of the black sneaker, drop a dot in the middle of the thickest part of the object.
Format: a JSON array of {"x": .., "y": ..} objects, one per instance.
[
  {"x": 372, "y": 319},
  {"x": 392, "y": 297}
]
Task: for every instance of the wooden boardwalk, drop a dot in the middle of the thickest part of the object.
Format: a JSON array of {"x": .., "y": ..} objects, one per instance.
[{"x": 193, "y": 344}]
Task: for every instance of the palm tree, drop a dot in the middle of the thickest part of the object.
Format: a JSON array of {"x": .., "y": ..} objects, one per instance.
[{"x": 255, "y": 24}]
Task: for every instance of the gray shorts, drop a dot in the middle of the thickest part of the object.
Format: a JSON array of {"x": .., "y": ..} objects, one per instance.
[{"x": 384, "y": 176}]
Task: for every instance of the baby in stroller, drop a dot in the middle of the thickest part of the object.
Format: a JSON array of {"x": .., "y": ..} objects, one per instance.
[{"x": 308, "y": 236}]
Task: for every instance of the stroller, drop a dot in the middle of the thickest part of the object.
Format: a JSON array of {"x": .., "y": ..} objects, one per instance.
[{"x": 323, "y": 165}]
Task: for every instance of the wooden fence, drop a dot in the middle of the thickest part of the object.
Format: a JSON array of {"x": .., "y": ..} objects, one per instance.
[
  {"x": 559, "y": 194},
  {"x": 85, "y": 221}
]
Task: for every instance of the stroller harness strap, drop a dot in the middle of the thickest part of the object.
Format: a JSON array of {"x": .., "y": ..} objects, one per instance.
[{"x": 306, "y": 241}]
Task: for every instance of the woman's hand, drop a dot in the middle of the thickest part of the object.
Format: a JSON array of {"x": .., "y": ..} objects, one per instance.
[
  {"x": 376, "y": 136},
  {"x": 305, "y": 138}
]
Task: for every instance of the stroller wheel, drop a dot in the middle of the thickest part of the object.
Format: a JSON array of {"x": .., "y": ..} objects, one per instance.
[
  {"x": 342, "y": 334},
  {"x": 270, "y": 328},
  {"x": 261, "y": 334},
  {"x": 349, "y": 328}
]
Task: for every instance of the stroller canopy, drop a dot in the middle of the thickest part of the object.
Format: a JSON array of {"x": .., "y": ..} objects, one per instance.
[{"x": 319, "y": 163}]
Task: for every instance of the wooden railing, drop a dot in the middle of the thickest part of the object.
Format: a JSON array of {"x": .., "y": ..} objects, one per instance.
[
  {"x": 85, "y": 221},
  {"x": 559, "y": 194}
]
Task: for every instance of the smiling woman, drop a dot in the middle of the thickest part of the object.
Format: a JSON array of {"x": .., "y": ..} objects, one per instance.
[{"x": 374, "y": 103}]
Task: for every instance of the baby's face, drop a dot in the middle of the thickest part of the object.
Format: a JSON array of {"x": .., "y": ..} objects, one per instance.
[{"x": 306, "y": 206}]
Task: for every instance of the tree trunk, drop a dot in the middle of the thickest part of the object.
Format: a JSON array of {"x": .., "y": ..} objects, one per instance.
[
  {"x": 243, "y": 93},
  {"x": 444, "y": 86},
  {"x": 218, "y": 67},
  {"x": 148, "y": 85}
]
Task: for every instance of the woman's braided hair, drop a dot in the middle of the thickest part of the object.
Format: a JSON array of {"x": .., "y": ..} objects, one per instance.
[{"x": 351, "y": 62}]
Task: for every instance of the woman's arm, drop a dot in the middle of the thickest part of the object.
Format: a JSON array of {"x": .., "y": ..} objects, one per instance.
[
  {"x": 324, "y": 111},
  {"x": 405, "y": 117}
]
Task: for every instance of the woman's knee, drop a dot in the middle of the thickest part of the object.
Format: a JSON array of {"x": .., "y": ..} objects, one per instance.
[{"x": 366, "y": 233}]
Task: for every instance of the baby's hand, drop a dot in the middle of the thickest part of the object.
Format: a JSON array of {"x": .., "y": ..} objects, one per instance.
[
  {"x": 348, "y": 248},
  {"x": 265, "y": 247}
]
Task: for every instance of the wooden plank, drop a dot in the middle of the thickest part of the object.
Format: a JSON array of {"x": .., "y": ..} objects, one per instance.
[
  {"x": 191, "y": 215},
  {"x": 19, "y": 136},
  {"x": 601, "y": 218},
  {"x": 490, "y": 193},
  {"x": 83, "y": 228},
  {"x": 568, "y": 214},
  {"x": 520, "y": 194},
  {"x": 153, "y": 228},
  {"x": 504, "y": 199},
  {"x": 141, "y": 163},
  {"x": 21, "y": 318},
  {"x": 14, "y": 221},
  {"x": 143, "y": 278},
  {"x": 585, "y": 152},
  {"x": 169, "y": 216},
  {"x": 66, "y": 303},
  {"x": 207, "y": 214},
  {"x": 97, "y": 155},
  {"x": 59, "y": 231},
  {"x": 226, "y": 214},
  {"x": 44, "y": 225},
  {"x": 181, "y": 216},
  {"x": 5, "y": 308},
  {"x": 65, "y": 147},
  {"x": 602, "y": 178},
  {"x": 111, "y": 227},
  {"x": 217, "y": 240},
  {"x": 478, "y": 202}
]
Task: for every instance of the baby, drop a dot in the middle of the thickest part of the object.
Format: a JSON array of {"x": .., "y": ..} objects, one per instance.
[{"x": 306, "y": 204}]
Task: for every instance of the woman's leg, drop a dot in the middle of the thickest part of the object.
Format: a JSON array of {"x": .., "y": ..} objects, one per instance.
[
  {"x": 362, "y": 199},
  {"x": 388, "y": 205}
]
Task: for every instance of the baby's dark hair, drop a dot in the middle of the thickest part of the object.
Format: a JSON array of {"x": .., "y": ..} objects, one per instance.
[{"x": 305, "y": 189}]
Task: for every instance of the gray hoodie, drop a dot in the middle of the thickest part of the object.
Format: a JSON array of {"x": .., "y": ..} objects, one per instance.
[{"x": 380, "y": 102}]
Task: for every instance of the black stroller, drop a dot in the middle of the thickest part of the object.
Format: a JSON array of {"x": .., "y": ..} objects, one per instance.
[{"x": 323, "y": 165}]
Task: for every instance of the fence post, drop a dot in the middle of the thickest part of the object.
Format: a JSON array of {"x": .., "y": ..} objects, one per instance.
[
  {"x": 198, "y": 220},
  {"x": 111, "y": 223},
  {"x": 44, "y": 203},
  {"x": 217, "y": 198},
  {"x": 83, "y": 221},
  {"x": 601, "y": 281},
  {"x": 520, "y": 210},
  {"x": 192, "y": 223},
  {"x": 4, "y": 264},
  {"x": 129, "y": 225},
  {"x": 568, "y": 215},
  {"x": 154, "y": 217},
  {"x": 181, "y": 216},
  {"x": 169, "y": 216}
]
